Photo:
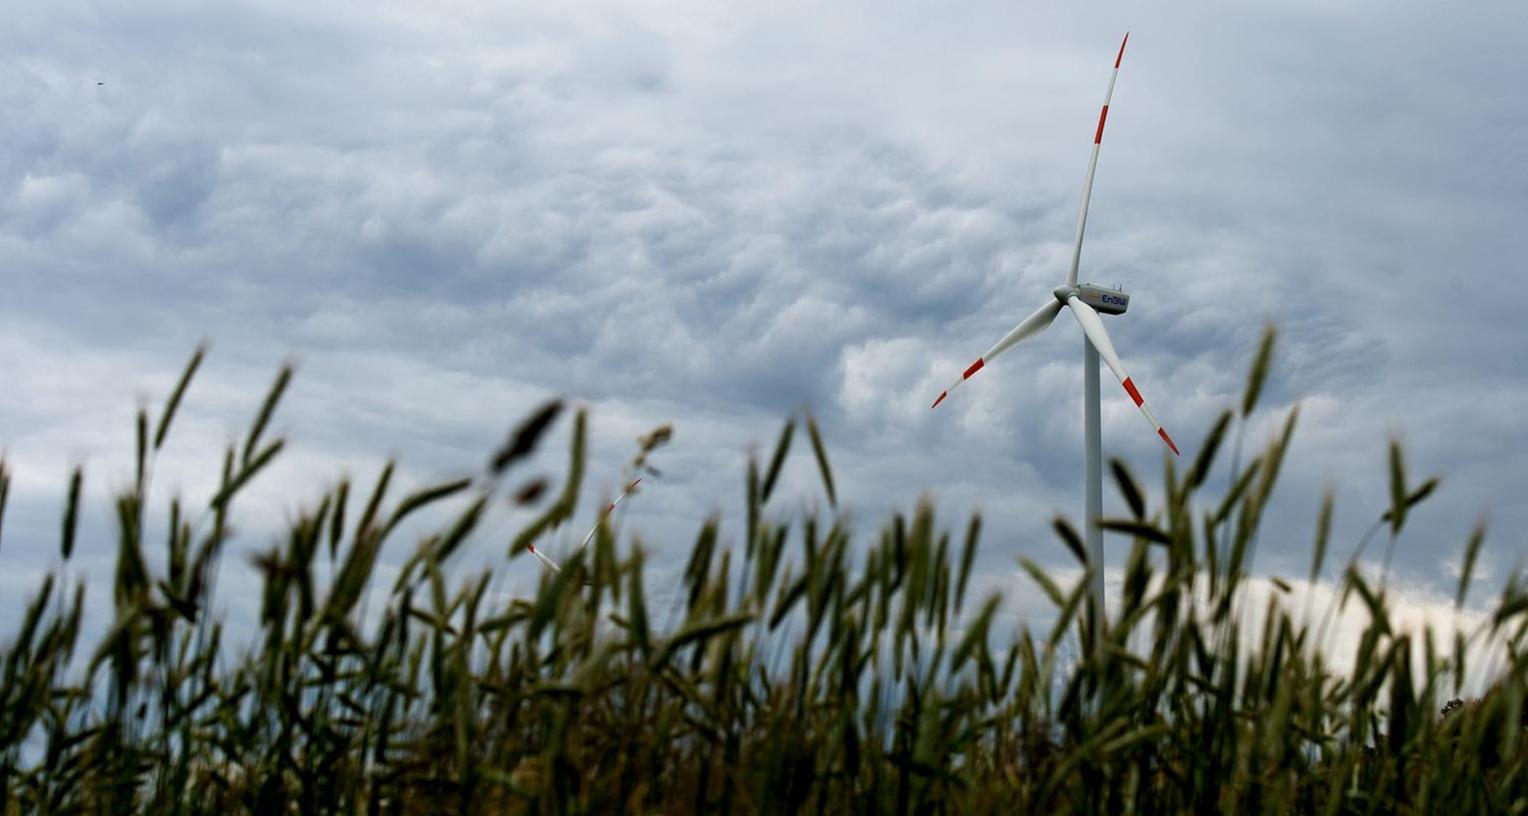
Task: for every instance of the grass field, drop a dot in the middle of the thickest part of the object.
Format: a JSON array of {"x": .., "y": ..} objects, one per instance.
[{"x": 819, "y": 669}]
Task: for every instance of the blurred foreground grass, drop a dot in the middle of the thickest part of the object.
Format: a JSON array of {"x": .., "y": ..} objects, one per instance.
[{"x": 807, "y": 672}]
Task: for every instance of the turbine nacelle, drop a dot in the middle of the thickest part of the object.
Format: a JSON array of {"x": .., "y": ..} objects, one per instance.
[{"x": 1103, "y": 299}]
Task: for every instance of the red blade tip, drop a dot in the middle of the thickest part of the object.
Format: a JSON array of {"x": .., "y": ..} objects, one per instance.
[
  {"x": 1121, "y": 50},
  {"x": 942, "y": 395},
  {"x": 1162, "y": 432}
]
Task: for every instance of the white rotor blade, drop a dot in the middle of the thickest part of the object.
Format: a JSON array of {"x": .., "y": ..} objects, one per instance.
[
  {"x": 1093, "y": 327},
  {"x": 609, "y": 508},
  {"x": 1087, "y": 186},
  {"x": 549, "y": 563},
  {"x": 1029, "y": 327}
]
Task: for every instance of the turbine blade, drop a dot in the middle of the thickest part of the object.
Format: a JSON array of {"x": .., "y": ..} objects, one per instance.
[
  {"x": 609, "y": 508},
  {"x": 549, "y": 563},
  {"x": 1029, "y": 327},
  {"x": 1093, "y": 327},
  {"x": 1087, "y": 185}
]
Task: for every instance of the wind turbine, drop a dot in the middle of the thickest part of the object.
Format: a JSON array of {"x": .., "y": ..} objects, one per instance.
[{"x": 1086, "y": 302}]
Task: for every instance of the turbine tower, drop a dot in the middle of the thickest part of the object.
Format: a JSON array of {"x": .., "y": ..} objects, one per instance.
[{"x": 1086, "y": 301}]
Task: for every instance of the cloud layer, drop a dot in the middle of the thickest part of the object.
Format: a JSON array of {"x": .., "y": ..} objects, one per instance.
[{"x": 714, "y": 216}]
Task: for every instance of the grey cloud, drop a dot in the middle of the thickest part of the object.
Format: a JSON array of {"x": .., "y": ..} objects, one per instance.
[{"x": 717, "y": 217}]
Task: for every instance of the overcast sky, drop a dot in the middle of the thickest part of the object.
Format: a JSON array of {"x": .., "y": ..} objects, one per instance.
[{"x": 717, "y": 214}]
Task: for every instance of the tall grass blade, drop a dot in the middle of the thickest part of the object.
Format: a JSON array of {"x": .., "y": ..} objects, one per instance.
[
  {"x": 1128, "y": 488},
  {"x": 1323, "y": 533},
  {"x": 1073, "y": 542},
  {"x": 1397, "y": 513},
  {"x": 777, "y": 461},
  {"x": 967, "y": 559},
  {"x": 5, "y": 491},
  {"x": 1207, "y": 451},
  {"x": 567, "y": 501},
  {"x": 1137, "y": 529},
  {"x": 71, "y": 513},
  {"x": 523, "y": 441},
  {"x": 1413, "y": 498},
  {"x": 267, "y": 409},
  {"x": 248, "y": 471},
  {"x": 162, "y": 428},
  {"x": 1261, "y": 363},
  {"x": 1467, "y": 569},
  {"x": 821, "y": 454}
]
